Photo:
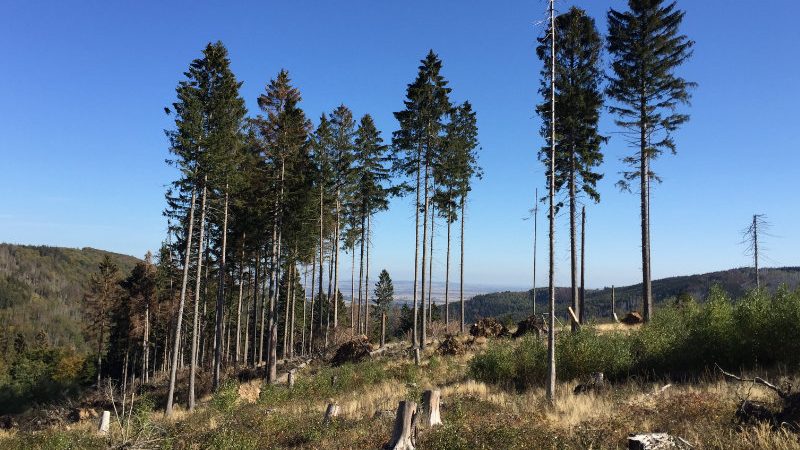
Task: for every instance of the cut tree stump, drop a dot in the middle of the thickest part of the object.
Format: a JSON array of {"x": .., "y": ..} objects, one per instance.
[
  {"x": 105, "y": 423},
  {"x": 290, "y": 378},
  {"x": 430, "y": 407},
  {"x": 404, "y": 424},
  {"x": 656, "y": 441},
  {"x": 416, "y": 356},
  {"x": 330, "y": 413}
]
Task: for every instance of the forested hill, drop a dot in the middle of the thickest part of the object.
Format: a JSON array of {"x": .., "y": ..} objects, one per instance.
[
  {"x": 736, "y": 282},
  {"x": 42, "y": 288}
]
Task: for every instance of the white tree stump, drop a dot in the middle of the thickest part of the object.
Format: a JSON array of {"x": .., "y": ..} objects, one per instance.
[
  {"x": 403, "y": 432},
  {"x": 656, "y": 441},
  {"x": 330, "y": 413},
  {"x": 105, "y": 423},
  {"x": 430, "y": 407},
  {"x": 290, "y": 378}
]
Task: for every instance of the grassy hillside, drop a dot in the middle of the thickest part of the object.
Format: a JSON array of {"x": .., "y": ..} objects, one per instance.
[
  {"x": 42, "y": 289},
  {"x": 736, "y": 282}
]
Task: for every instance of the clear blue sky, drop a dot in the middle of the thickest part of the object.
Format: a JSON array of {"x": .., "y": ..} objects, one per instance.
[{"x": 83, "y": 86}]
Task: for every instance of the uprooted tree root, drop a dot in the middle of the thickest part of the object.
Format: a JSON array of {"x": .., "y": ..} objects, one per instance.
[{"x": 753, "y": 412}]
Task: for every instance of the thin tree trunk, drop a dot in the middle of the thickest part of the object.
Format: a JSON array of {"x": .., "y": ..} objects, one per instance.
[
  {"x": 311, "y": 319},
  {"x": 221, "y": 295},
  {"x": 353, "y": 288},
  {"x": 415, "y": 332},
  {"x": 361, "y": 272},
  {"x": 321, "y": 255},
  {"x": 551, "y": 342},
  {"x": 461, "y": 268},
  {"x": 447, "y": 275},
  {"x": 272, "y": 373},
  {"x": 644, "y": 175},
  {"x": 366, "y": 284},
  {"x": 336, "y": 268},
  {"x": 424, "y": 256},
  {"x": 573, "y": 246},
  {"x": 535, "y": 235},
  {"x": 303, "y": 328},
  {"x": 196, "y": 329},
  {"x": 146, "y": 341},
  {"x": 430, "y": 263},
  {"x": 330, "y": 295},
  {"x": 292, "y": 274},
  {"x": 239, "y": 309},
  {"x": 287, "y": 306},
  {"x": 582, "y": 315}
]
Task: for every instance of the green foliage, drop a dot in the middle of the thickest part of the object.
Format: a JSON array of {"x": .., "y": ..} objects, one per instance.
[
  {"x": 226, "y": 396},
  {"x": 684, "y": 339}
]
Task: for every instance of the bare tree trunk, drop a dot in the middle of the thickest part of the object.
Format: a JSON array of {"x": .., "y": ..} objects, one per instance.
[
  {"x": 336, "y": 267},
  {"x": 287, "y": 306},
  {"x": 239, "y": 309},
  {"x": 461, "y": 268},
  {"x": 573, "y": 245},
  {"x": 292, "y": 274},
  {"x": 330, "y": 295},
  {"x": 196, "y": 329},
  {"x": 220, "y": 295},
  {"x": 146, "y": 342},
  {"x": 321, "y": 255},
  {"x": 535, "y": 235},
  {"x": 361, "y": 272},
  {"x": 383, "y": 329},
  {"x": 447, "y": 279},
  {"x": 582, "y": 312},
  {"x": 303, "y": 328},
  {"x": 366, "y": 283},
  {"x": 415, "y": 332},
  {"x": 755, "y": 251},
  {"x": 403, "y": 431},
  {"x": 353, "y": 288},
  {"x": 424, "y": 331},
  {"x": 430, "y": 262},
  {"x": 551, "y": 341},
  {"x": 272, "y": 372},
  {"x": 311, "y": 321},
  {"x": 644, "y": 175}
]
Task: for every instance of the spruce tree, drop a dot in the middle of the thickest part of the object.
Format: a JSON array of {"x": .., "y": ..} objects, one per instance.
[
  {"x": 647, "y": 48},
  {"x": 416, "y": 143},
  {"x": 579, "y": 98}
]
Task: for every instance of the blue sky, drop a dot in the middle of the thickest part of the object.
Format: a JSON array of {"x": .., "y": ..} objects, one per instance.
[{"x": 84, "y": 84}]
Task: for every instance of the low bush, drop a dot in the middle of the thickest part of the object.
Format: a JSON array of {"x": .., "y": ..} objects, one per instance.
[{"x": 684, "y": 339}]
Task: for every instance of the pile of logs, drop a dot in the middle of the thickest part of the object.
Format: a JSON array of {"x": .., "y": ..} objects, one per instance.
[{"x": 489, "y": 327}]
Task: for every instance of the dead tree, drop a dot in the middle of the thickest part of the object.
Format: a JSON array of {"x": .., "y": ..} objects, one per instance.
[{"x": 750, "y": 238}]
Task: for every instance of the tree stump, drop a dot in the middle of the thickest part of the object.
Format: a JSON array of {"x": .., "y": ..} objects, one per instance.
[
  {"x": 416, "y": 356},
  {"x": 290, "y": 378},
  {"x": 105, "y": 423},
  {"x": 403, "y": 432},
  {"x": 330, "y": 413},
  {"x": 656, "y": 441},
  {"x": 430, "y": 408}
]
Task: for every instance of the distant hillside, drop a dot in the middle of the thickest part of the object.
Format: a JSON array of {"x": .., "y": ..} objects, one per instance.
[
  {"x": 42, "y": 288},
  {"x": 736, "y": 282}
]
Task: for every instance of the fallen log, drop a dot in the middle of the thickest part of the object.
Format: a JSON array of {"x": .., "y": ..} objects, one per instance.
[{"x": 656, "y": 441}]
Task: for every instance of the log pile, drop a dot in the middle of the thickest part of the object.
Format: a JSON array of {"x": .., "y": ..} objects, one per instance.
[
  {"x": 489, "y": 327},
  {"x": 451, "y": 345},
  {"x": 531, "y": 325}
]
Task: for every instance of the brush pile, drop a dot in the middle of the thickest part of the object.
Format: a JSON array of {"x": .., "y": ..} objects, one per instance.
[
  {"x": 751, "y": 412},
  {"x": 489, "y": 327},
  {"x": 452, "y": 345},
  {"x": 352, "y": 351},
  {"x": 533, "y": 325}
]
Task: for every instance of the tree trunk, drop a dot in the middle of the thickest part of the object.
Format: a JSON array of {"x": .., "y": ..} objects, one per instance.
[
  {"x": 383, "y": 329},
  {"x": 644, "y": 174},
  {"x": 551, "y": 341},
  {"x": 403, "y": 432},
  {"x": 146, "y": 342},
  {"x": 424, "y": 331},
  {"x": 292, "y": 306},
  {"x": 461, "y": 268},
  {"x": 573, "y": 244},
  {"x": 361, "y": 271},
  {"x": 272, "y": 372},
  {"x": 220, "y": 295},
  {"x": 303, "y": 328},
  {"x": 353, "y": 288},
  {"x": 237, "y": 357},
  {"x": 447, "y": 279},
  {"x": 415, "y": 332},
  {"x": 311, "y": 319},
  {"x": 330, "y": 294},
  {"x": 582, "y": 311},
  {"x": 336, "y": 267},
  {"x": 430, "y": 263},
  {"x": 366, "y": 283},
  {"x": 196, "y": 329},
  {"x": 535, "y": 234},
  {"x": 331, "y": 412}
]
